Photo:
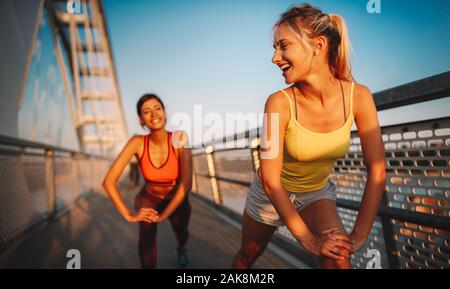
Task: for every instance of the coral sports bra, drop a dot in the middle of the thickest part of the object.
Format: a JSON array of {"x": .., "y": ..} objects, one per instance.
[{"x": 167, "y": 173}]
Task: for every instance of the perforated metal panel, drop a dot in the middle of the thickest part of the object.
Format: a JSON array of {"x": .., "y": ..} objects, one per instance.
[
  {"x": 202, "y": 183},
  {"x": 233, "y": 196},
  {"x": 236, "y": 164},
  {"x": 22, "y": 194},
  {"x": 31, "y": 180},
  {"x": 66, "y": 184},
  {"x": 200, "y": 166},
  {"x": 421, "y": 246},
  {"x": 417, "y": 157},
  {"x": 203, "y": 187},
  {"x": 374, "y": 241}
]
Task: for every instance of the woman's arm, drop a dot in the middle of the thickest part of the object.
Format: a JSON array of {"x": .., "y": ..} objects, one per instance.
[
  {"x": 275, "y": 123},
  {"x": 185, "y": 160},
  {"x": 110, "y": 184},
  {"x": 373, "y": 151}
]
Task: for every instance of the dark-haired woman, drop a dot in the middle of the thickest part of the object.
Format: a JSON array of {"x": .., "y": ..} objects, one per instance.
[{"x": 165, "y": 162}]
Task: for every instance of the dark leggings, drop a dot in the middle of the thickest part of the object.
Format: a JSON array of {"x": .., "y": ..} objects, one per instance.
[{"x": 147, "y": 231}]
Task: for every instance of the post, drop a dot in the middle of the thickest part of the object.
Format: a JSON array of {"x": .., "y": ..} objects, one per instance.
[
  {"x": 217, "y": 197},
  {"x": 194, "y": 183},
  {"x": 255, "y": 153},
  {"x": 76, "y": 174},
  {"x": 50, "y": 187}
]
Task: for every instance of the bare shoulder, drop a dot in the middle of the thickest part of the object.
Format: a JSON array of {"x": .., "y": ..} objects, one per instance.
[
  {"x": 362, "y": 97},
  {"x": 277, "y": 101},
  {"x": 136, "y": 139},
  {"x": 362, "y": 90},
  {"x": 180, "y": 139},
  {"x": 278, "y": 104},
  {"x": 180, "y": 135},
  {"x": 135, "y": 143}
]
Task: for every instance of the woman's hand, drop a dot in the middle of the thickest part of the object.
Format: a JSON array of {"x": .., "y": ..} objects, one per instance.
[
  {"x": 148, "y": 215},
  {"x": 160, "y": 218},
  {"x": 332, "y": 243}
]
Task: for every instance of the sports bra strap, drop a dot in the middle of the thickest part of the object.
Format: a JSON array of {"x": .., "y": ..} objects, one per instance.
[{"x": 145, "y": 148}]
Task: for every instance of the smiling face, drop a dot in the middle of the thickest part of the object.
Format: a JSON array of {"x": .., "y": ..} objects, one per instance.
[
  {"x": 152, "y": 114},
  {"x": 293, "y": 58}
]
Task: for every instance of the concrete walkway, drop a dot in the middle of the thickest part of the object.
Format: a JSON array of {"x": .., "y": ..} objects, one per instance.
[{"x": 105, "y": 240}]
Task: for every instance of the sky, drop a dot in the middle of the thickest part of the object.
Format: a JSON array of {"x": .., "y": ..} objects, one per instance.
[{"x": 218, "y": 53}]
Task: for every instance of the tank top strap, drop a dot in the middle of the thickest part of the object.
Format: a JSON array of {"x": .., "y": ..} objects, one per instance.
[
  {"x": 291, "y": 109},
  {"x": 351, "y": 98}
]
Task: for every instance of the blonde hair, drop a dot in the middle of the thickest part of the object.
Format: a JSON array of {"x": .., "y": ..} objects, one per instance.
[{"x": 306, "y": 19}]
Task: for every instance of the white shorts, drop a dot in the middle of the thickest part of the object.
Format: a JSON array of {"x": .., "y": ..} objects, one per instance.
[{"x": 259, "y": 207}]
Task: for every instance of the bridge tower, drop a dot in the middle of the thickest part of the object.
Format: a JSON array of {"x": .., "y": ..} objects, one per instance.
[{"x": 84, "y": 53}]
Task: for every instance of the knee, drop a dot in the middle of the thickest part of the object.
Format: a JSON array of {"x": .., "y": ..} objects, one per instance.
[
  {"x": 328, "y": 263},
  {"x": 147, "y": 232},
  {"x": 250, "y": 253}
]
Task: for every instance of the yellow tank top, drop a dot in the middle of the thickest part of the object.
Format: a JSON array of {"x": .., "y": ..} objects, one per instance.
[{"x": 309, "y": 157}]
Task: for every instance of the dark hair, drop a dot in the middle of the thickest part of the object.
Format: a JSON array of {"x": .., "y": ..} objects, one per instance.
[{"x": 146, "y": 97}]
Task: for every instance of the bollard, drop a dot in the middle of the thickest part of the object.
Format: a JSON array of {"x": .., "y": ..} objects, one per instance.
[
  {"x": 50, "y": 182},
  {"x": 194, "y": 183},
  {"x": 254, "y": 145},
  {"x": 209, "y": 150}
]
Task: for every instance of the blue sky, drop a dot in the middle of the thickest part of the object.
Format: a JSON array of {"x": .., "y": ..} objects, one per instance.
[{"x": 218, "y": 53}]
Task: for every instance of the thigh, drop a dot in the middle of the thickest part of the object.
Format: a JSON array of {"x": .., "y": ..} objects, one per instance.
[
  {"x": 322, "y": 215},
  {"x": 255, "y": 235},
  {"x": 145, "y": 201},
  {"x": 146, "y": 230},
  {"x": 182, "y": 214}
]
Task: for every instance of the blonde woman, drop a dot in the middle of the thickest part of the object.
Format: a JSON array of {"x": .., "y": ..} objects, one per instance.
[{"x": 315, "y": 116}]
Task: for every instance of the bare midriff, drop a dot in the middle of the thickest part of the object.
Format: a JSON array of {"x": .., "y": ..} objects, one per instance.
[{"x": 160, "y": 191}]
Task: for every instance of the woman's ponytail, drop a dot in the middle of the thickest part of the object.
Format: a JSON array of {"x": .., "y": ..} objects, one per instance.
[{"x": 340, "y": 64}]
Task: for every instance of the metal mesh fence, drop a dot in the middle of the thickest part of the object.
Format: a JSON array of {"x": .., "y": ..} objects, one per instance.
[{"x": 35, "y": 185}]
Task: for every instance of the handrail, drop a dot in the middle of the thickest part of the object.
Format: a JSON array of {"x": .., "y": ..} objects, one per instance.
[
  {"x": 12, "y": 141},
  {"x": 434, "y": 87}
]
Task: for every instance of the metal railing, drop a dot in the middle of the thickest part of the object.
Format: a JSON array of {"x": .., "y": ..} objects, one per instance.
[
  {"x": 39, "y": 182},
  {"x": 413, "y": 222}
]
